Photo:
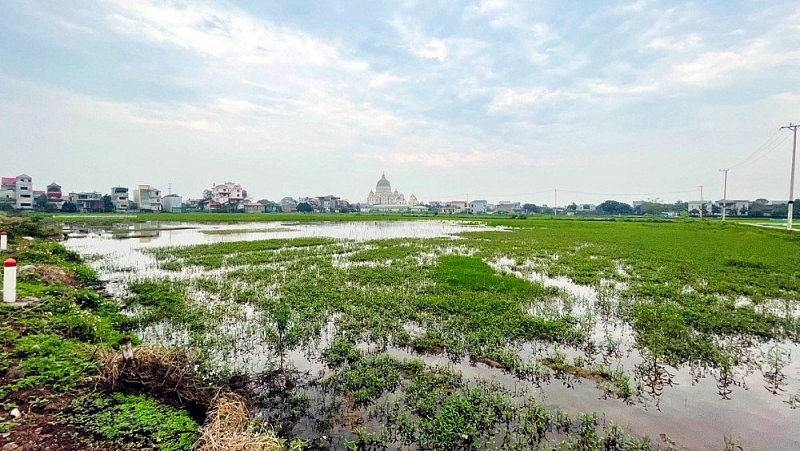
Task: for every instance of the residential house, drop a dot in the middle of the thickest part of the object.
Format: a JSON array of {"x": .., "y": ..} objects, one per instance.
[
  {"x": 454, "y": 207},
  {"x": 478, "y": 207},
  {"x": 86, "y": 202},
  {"x": 252, "y": 207},
  {"x": 505, "y": 206},
  {"x": 148, "y": 198},
  {"x": 9, "y": 184},
  {"x": 695, "y": 206},
  {"x": 23, "y": 189},
  {"x": 119, "y": 197},
  {"x": 586, "y": 208},
  {"x": 172, "y": 203},
  {"x": 270, "y": 206},
  {"x": 55, "y": 196},
  {"x": 328, "y": 204},
  {"x": 735, "y": 207},
  {"x": 228, "y": 194}
]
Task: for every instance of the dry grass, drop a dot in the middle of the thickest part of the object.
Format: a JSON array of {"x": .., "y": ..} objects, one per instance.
[
  {"x": 163, "y": 373},
  {"x": 228, "y": 428}
]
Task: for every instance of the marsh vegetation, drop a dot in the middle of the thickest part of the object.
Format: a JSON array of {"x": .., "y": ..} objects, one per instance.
[{"x": 510, "y": 336}]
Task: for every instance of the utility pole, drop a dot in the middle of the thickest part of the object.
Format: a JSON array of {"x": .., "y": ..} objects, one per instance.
[
  {"x": 793, "y": 128},
  {"x": 702, "y": 207},
  {"x": 555, "y": 208},
  {"x": 724, "y": 193}
]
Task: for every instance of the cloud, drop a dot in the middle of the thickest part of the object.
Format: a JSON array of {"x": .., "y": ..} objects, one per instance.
[
  {"x": 417, "y": 43},
  {"x": 522, "y": 97}
]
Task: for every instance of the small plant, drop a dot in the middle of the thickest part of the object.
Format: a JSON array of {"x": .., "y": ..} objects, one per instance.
[{"x": 283, "y": 332}]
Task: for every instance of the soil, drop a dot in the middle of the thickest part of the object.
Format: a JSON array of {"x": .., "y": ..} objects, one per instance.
[{"x": 39, "y": 428}]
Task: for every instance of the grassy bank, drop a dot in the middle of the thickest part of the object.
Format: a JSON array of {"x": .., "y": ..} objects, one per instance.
[{"x": 54, "y": 390}]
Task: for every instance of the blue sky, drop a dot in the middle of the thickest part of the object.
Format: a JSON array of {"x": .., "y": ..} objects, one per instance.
[{"x": 487, "y": 99}]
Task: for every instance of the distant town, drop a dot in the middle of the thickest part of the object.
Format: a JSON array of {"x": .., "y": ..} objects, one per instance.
[{"x": 18, "y": 194}]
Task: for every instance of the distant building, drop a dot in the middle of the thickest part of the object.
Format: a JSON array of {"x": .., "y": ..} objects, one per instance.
[
  {"x": 398, "y": 209},
  {"x": 288, "y": 205},
  {"x": 477, "y": 207},
  {"x": 383, "y": 194},
  {"x": 735, "y": 207},
  {"x": 328, "y": 204},
  {"x": 172, "y": 203},
  {"x": 148, "y": 198},
  {"x": 695, "y": 206},
  {"x": 23, "y": 189},
  {"x": 86, "y": 202},
  {"x": 119, "y": 197},
  {"x": 9, "y": 184},
  {"x": 270, "y": 206},
  {"x": 587, "y": 208},
  {"x": 54, "y": 191},
  {"x": 453, "y": 207},
  {"x": 508, "y": 207},
  {"x": 252, "y": 207},
  {"x": 228, "y": 193}
]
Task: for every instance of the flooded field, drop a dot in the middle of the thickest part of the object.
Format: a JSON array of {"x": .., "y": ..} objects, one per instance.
[{"x": 430, "y": 334}]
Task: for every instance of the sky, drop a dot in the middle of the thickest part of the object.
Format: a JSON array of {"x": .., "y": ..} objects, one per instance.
[{"x": 453, "y": 100}]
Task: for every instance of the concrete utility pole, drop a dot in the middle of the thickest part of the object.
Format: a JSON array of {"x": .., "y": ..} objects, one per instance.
[
  {"x": 793, "y": 128},
  {"x": 702, "y": 207},
  {"x": 555, "y": 208},
  {"x": 724, "y": 193}
]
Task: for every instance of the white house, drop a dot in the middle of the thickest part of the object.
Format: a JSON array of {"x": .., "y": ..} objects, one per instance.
[
  {"x": 695, "y": 205},
  {"x": 228, "y": 193},
  {"x": 23, "y": 188},
  {"x": 119, "y": 197},
  {"x": 477, "y": 207},
  {"x": 148, "y": 198},
  {"x": 172, "y": 203}
]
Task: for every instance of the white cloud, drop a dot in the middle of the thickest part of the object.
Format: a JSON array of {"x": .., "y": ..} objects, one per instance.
[
  {"x": 522, "y": 97},
  {"x": 417, "y": 43}
]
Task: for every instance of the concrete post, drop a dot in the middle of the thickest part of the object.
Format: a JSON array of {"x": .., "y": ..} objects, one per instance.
[
  {"x": 10, "y": 281},
  {"x": 126, "y": 348},
  {"x": 3, "y": 241}
]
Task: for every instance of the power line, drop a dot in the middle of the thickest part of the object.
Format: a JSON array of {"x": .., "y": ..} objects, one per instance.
[
  {"x": 769, "y": 145},
  {"x": 768, "y": 152}
]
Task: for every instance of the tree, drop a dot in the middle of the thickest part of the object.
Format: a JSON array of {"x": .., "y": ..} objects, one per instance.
[
  {"x": 41, "y": 202},
  {"x": 572, "y": 207},
  {"x": 612, "y": 207},
  {"x": 304, "y": 207},
  {"x": 207, "y": 194},
  {"x": 108, "y": 204},
  {"x": 69, "y": 207},
  {"x": 284, "y": 332},
  {"x": 530, "y": 208}
]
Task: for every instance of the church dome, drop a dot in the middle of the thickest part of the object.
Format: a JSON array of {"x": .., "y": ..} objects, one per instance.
[{"x": 383, "y": 182}]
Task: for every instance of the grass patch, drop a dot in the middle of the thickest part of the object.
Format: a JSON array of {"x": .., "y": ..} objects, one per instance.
[{"x": 133, "y": 422}]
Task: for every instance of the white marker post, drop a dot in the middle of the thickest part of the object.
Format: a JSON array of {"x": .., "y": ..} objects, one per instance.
[
  {"x": 10, "y": 281},
  {"x": 3, "y": 241}
]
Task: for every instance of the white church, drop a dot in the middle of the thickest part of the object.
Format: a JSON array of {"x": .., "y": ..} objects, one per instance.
[{"x": 383, "y": 195}]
